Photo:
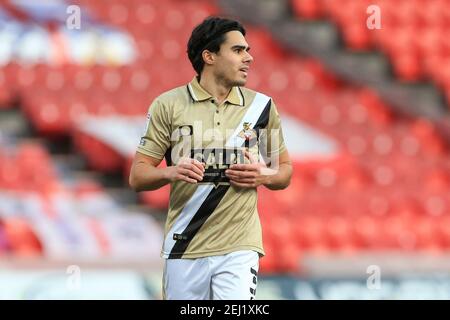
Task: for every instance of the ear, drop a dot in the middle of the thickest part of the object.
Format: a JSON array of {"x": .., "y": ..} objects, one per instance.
[{"x": 208, "y": 57}]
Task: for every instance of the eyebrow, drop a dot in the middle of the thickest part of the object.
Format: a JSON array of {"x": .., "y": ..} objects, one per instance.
[{"x": 240, "y": 47}]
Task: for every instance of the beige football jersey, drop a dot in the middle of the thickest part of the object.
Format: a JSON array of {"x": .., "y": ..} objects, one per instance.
[{"x": 211, "y": 217}]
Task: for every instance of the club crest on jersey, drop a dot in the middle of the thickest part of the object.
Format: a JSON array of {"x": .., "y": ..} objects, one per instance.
[{"x": 247, "y": 133}]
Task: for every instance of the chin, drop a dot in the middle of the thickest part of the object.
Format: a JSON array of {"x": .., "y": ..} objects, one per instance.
[{"x": 240, "y": 82}]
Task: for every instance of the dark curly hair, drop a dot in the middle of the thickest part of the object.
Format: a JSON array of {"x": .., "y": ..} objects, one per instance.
[{"x": 209, "y": 35}]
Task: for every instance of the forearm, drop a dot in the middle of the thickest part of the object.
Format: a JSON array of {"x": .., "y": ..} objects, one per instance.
[
  {"x": 281, "y": 179},
  {"x": 144, "y": 177}
]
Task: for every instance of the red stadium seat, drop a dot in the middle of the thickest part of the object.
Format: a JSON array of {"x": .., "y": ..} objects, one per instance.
[
  {"x": 309, "y": 9},
  {"x": 21, "y": 239},
  {"x": 409, "y": 33}
]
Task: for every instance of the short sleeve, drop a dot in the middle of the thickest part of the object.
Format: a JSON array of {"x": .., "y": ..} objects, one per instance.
[
  {"x": 272, "y": 139},
  {"x": 155, "y": 140}
]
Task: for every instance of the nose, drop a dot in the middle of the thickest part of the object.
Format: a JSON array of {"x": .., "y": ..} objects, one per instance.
[{"x": 248, "y": 58}]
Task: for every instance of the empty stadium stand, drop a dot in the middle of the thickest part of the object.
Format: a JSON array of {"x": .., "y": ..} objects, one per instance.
[{"x": 384, "y": 189}]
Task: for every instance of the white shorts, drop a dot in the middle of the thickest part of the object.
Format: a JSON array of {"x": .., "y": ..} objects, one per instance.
[{"x": 232, "y": 276}]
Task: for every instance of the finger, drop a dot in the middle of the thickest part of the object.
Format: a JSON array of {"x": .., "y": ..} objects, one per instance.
[
  {"x": 198, "y": 169},
  {"x": 199, "y": 165},
  {"x": 187, "y": 179},
  {"x": 192, "y": 167},
  {"x": 240, "y": 174},
  {"x": 186, "y": 162},
  {"x": 250, "y": 157},
  {"x": 244, "y": 167},
  {"x": 191, "y": 174}
]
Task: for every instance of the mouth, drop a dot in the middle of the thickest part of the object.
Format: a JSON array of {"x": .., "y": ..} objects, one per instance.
[{"x": 244, "y": 70}]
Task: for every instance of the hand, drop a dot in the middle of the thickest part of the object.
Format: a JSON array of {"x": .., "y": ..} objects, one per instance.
[
  {"x": 250, "y": 175},
  {"x": 187, "y": 169}
]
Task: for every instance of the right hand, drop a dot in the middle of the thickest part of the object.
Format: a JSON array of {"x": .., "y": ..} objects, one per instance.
[{"x": 187, "y": 169}]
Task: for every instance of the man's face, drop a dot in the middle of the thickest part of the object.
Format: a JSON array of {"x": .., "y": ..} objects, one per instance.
[{"x": 233, "y": 60}]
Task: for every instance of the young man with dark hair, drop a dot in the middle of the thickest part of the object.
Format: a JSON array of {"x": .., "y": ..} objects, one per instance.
[{"x": 212, "y": 133}]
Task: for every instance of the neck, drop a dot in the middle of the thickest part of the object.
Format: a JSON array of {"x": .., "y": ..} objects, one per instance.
[{"x": 215, "y": 87}]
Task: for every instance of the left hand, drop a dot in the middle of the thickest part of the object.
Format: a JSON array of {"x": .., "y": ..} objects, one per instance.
[{"x": 250, "y": 175}]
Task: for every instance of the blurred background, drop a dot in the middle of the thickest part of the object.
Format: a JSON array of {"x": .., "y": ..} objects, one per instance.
[{"x": 363, "y": 89}]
